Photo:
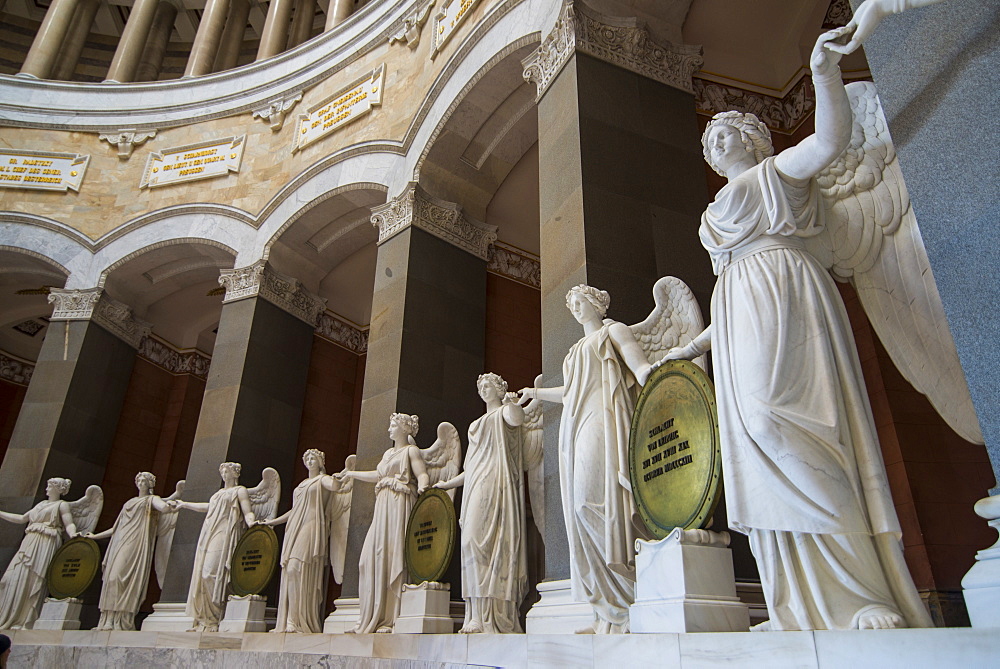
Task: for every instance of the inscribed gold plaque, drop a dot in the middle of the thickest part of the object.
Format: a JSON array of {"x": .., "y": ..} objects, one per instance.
[
  {"x": 254, "y": 561},
  {"x": 73, "y": 568},
  {"x": 430, "y": 536},
  {"x": 674, "y": 459}
]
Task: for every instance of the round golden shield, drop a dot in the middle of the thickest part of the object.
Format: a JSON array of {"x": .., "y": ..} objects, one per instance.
[
  {"x": 254, "y": 561},
  {"x": 73, "y": 568},
  {"x": 430, "y": 536},
  {"x": 675, "y": 463}
]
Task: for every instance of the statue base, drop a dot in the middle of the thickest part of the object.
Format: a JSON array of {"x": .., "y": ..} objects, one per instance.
[
  {"x": 981, "y": 585},
  {"x": 244, "y": 614},
  {"x": 345, "y": 614},
  {"x": 168, "y": 617},
  {"x": 556, "y": 612},
  {"x": 685, "y": 583},
  {"x": 59, "y": 614},
  {"x": 425, "y": 609}
]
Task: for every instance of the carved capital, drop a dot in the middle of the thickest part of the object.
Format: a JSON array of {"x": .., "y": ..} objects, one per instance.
[
  {"x": 621, "y": 41},
  {"x": 274, "y": 111},
  {"x": 15, "y": 370},
  {"x": 409, "y": 32},
  {"x": 93, "y": 305},
  {"x": 127, "y": 140},
  {"x": 343, "y": 333},
  {"x": 73, "y": 305},
  {"x": 284, "y": 292},
  {"x": 442, "y": 219}
]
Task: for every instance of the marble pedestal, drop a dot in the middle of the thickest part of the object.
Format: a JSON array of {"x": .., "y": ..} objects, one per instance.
[
  {"x": 244, "y": 614},
  {"x": 168, "y": 617},
  {"x": 557, "y": 612},
  {"x": 685, "y": 583},
  {"x": 981, "y": 585},
  {"x": 425, "y": 609},
  {"x": 59, "y": 614},
  {"x": 344, "y": 616}
]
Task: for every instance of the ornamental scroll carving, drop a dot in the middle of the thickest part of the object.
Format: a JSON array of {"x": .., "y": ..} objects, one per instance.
[
  {"x": 778, "y": 114},
  {"x": 93, "y": 304},
  {"x": 442, "y": 219},
  {"x": 343, "y": 333},
  {"x": 174, "y": 361},
  {"x": 73, "y": 305},
  {"x": 284, "y": 292},
  {"x": 275, "y": 111},
  {"x": 14, "y": 370},
  {"x": 126, "y": 140},
  {"x": 621, "y": 41},
  {"x": 514, "y": 264}
]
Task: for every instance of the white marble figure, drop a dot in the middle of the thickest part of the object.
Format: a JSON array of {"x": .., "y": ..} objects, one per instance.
[
  {"x": 867, "y": 17},
  {"x": 315, "y": 535},
  {"x": 141, "y": 535},
  {"x": 533, "y": 441},
  {"x": 602, "y": 374},
  {"x": 494, "y": 557},
  {"x": 400, "y": 477},
  {"x": 229, "y": 512},
  {"x": 23, "y": 587},
  {"x": 801, "y": 460}
]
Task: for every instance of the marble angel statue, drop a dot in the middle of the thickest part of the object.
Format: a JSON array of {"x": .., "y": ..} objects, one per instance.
[
  {"x": 140, "y": 537},
  {"x": 315, "y": 536},
  {"x": 801, "y": 460},
  {"x": 533, "y": 454},
  {"x": 23, "y": 587},
  {"x": 229, "y": 512},
  {"x": 494, "y": 556},
  {"x": 602, "y": 374},
  {"x": 400, "y": 477}
]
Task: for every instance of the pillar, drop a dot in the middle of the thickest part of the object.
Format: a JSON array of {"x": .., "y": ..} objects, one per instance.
[
  {"x": 70, "y": 412},
  {"x": 206, "y": 40},
  {"x": 156, "y": 44},
  {"x": 251, "y": 410},
  {"x": 129, "y": 52},
  {"x": 623, "y": 196},
  {"x": 232, "y": 36},
  {"x": 302, "y": 22},
  {"x": 52, "y": 33},
  {"x": 69, "y": 54},
  {"x": 276, "y": 25},
  {"x": 426, "y": 344},
  {"x": 338, "y": 12}
]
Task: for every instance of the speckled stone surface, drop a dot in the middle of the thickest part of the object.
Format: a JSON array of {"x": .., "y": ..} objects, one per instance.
[{"x": 937, "y": 70}]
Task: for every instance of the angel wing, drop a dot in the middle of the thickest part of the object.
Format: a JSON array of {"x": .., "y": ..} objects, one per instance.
[
  {"x": 339, "y": 513},
  {"x": 872, "y": 240},
  {"x": 444, "y": 457},
  {"x": 533, "y": 453},
  {"x": 165, "y": 526},
  {"x": 264, "y": 497},
  {"x": 87, "y": 509},
  {"x": 674, "y": 321}
]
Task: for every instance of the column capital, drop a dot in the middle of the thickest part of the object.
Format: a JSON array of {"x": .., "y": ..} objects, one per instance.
[
  {"x": 621, "y": 41},
  {"x": 284, "y": 292},
  {"x": 443, "y": 219},
  {"x": 92, "y": 304}
]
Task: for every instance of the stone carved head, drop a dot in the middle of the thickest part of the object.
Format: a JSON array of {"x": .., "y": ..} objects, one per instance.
[
  {"x": 60, "y": 484},
  {"x": 233, "y": 467},
  {"x": 146, "y": 477},
  {"x": 496, "y": 381},
  {"x": 406, "y": 422},
  {"x": 319, "y": 455},
  {"x": 755, "y": 136},
  {"x": 599, "y": 299}
]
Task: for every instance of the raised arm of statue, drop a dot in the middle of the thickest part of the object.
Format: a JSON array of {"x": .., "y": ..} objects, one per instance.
[
  {"x": 869, "y": 15},
  {"x": 19, "y": 518}
]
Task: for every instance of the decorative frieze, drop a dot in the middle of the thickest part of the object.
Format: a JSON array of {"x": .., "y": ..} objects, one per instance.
[
  {"x": 447, "y": 21},
  {"x": 126, "y": 140},
  {"x": 340, "y": 109},
  {"x": 15, "y": 370},
  {"x": 284, "y": 292},
  {"x": 42, "y": 170},
  {"x": 442, "y": 219},
  {"x": 409, "y": 32},
  {"x": 173, "y": 360},
  {"x": 273, "y": 113},
  {"x": 838, "y": 14},
  {"x": 341, "y": 332},
  {"x": 778, "y": 114},
  {"x": 621, "y": 41},
  {"x": 93, "y": 304},
  {"x": 513, "y": 263},
  {"x": 204, "y": 160}
]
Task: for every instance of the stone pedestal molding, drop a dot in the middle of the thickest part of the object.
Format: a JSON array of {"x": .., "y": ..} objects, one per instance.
[
  {"x": 59, "y": 614},
  {"x": 275, "y": 111},
  {"x": 168, "y": 617},
  {"x": 284, "y": 292},
  {"x": 126, "y": 140},
  {"x": 344, "y": 616},
  {"x": 982, "y": 583},
  {"x": 444, "y": 220},
  {"x": 425, "y": 609},
  {"x": 557, "y": 612},
  {"x": 92, "y": 304},
  {"x": 621, "y": 41},
  {"x": 244, "y": 614}
]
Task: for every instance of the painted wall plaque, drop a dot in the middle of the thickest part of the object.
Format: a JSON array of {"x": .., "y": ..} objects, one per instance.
[
  {"x": 73, "y": 568},
  {"x": 430, "y": 536},
  {"x": 42, "y": 170},
  {"x": 254, "y": 561},
  {"x": 340, "y": 109},
  {"x": 204, "y": 160},
  {"x": 675, "y": 464}
]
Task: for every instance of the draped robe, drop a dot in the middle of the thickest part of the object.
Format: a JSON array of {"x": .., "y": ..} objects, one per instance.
[
  {"x": 22, "y": 588},
  {"x": 304, "y": 556},
  {"x": 224, "y": 523},
  {"x": 127, "y": 563}
]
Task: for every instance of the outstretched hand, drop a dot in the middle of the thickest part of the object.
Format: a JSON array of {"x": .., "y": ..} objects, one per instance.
[
  {"x": 525, "y": 395},
  {"x": 866, "y": 18},
  {"x": 825, "y": 58},
  {"x": 676, "y": 353}
]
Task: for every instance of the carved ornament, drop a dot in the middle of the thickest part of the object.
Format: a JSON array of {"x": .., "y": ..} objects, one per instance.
[
  {"x": 341, "y": 332},
  {"x": 273, "y": 113},
  {"x": 173, "y": 360},
  {"x": 73, "y": 305},
  {"x": 442, "y": 219},
  {"x": 126, "y": 140},
  {"x": 409, "y": 32},
  {"x": 284, "y": 292},
  {"x": 93, "y": 304},
  {"x": 515, "y": 264},
  {"x": 621, "y": 41},
  {"x": 778, "y": 114},
  {"x": 15, "y": 370}
]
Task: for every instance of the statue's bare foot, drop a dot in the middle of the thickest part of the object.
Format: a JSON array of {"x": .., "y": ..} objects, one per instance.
[
  {"x": 880, "y": 618},
  {"x": 762, "y": 627},
  {"x": 471, "y": 628},
  {"x": 384, "y": 630}
]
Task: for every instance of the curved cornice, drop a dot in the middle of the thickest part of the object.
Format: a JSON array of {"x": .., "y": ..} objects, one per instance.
[{"x": 28, "y": 102}]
